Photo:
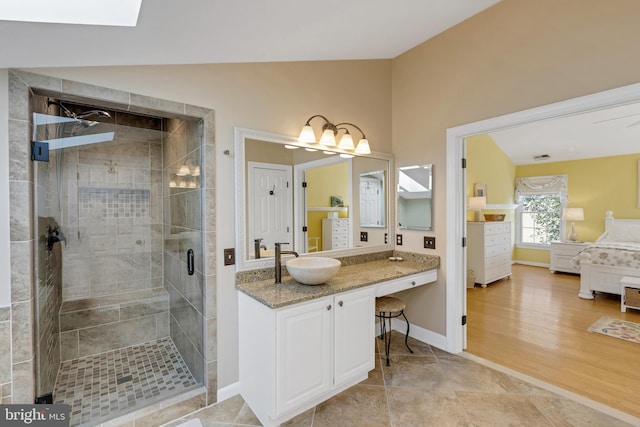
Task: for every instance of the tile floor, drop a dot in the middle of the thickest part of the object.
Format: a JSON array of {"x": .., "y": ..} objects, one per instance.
[
  {"x": 111, "y": 384},
  {"x": 427, "y": 388}
]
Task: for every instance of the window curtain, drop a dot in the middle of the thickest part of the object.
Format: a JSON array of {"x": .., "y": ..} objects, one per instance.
[{"x": 555, "y": 184}]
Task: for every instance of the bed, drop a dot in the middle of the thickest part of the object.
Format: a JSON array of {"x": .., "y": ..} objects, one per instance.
[{"x": 615, "y": 254}]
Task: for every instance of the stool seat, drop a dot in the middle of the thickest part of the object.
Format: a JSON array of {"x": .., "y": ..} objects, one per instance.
[
  {"x": 389, "y": 305},
  {"x": 388, "y": 308}
]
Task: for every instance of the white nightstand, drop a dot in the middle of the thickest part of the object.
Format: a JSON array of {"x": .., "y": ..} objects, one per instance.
[{"x": 561, "y": 254}]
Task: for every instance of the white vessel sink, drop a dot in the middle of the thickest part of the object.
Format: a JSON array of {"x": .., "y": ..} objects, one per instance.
[{"x": 313, "y": 270}]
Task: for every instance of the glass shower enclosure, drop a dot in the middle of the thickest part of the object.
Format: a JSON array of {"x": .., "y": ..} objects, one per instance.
[{"x": 118, "y": 257}]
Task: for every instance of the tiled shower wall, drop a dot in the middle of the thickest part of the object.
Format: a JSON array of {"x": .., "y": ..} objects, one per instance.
[
  {"x": 17, "y": 358},
  {"x": 113, "y": 211},
  {"x": 183, "y": 231},
  {"x": 5, "y": 355}
]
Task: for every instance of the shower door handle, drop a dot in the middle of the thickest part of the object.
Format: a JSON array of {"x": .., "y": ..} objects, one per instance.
[{"x": 190, "y": 262}]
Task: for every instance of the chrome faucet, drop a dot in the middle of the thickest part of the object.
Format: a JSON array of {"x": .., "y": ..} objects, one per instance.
[{"x": 279, "y": 253}]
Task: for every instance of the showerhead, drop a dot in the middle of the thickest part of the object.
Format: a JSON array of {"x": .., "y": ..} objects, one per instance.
[
  {"x": 100, "y": 113},
  {"x": 82, "y": 116}
]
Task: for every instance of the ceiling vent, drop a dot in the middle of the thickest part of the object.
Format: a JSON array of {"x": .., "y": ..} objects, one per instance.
[{"x": 541, "y": 157}]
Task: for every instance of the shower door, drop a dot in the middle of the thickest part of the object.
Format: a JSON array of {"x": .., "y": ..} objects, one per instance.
[{"x": 118, "y": 254}]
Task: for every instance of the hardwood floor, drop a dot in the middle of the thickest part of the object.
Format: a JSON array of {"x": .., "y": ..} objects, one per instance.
[{"x": 534, "y": 323}]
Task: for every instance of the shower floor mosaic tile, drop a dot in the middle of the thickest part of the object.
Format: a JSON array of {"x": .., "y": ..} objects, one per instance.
[{"x": 110, "y": 384}]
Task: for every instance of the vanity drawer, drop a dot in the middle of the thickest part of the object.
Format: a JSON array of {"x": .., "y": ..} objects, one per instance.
[{"x": 393, "y": 286}]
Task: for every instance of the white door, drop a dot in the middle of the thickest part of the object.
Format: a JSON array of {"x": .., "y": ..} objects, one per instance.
[
  {"x": 270, "y": 205},
  {"x": 305, "y": 353},
  {"x": 354, "y": 330},
  {"x": 370, "y": 208}
]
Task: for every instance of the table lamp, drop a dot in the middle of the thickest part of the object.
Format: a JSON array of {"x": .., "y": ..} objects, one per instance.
[
  {"x": 477, "y": 204},
  {"x": 573, "y": 214}
]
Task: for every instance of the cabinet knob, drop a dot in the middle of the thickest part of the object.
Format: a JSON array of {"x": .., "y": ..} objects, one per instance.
[
  {"x": 329, "y": 307},
  {"x": 340, "y": 303},
  {"x": 413, "y": 283}
]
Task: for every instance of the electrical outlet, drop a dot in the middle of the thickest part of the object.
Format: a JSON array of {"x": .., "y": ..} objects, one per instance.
[
  {"x": 364, "y": 236},
  {"x": 429, "y": 242},
  {"x": 229, "y": 256},
  {"x": 399, "y": 239}
]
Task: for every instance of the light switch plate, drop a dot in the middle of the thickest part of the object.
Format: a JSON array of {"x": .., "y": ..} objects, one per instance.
[
  {"x": 429, "y": 242},
  {"x": 229, "y": 256},
  {"x": 364, "y": 236},
  {"x": 399, "y": 239}
]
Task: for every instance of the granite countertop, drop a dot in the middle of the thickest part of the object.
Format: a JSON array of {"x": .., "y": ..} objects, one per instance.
[{"x": 352, "y": 275}]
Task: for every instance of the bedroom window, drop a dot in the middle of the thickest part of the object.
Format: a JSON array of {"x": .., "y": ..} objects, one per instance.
[{"x": 538, "y": 217}]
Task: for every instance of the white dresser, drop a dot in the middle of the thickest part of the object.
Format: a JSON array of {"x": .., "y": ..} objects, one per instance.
[
  {"x": 561, "y": 254},
  {"x": 335, "y": 233},
  {"x": 489, "y": 250}
]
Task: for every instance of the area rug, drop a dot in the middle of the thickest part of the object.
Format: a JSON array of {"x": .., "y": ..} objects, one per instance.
[{"x": 617, "y": 328}]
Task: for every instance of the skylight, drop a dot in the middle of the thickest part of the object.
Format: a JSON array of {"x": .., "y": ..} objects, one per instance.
[{"x": 121, "y": 13}]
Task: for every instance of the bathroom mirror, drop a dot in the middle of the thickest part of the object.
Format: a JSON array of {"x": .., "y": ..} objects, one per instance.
[
  {"x": 298, "y": 196},
  {"x": 415, "y": 187}
]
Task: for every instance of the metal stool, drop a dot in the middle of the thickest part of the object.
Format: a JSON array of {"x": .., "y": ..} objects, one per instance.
[{"x": 388, "y": 308}]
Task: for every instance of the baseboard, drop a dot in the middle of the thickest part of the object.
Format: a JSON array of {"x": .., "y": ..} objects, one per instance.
[
  {"x": 421, "y": 334},
  {"x": 531, "y": 263},
  {"x": 228, "y": 391}
]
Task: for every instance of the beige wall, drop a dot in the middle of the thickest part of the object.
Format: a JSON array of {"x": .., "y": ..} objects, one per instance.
[
  {"x": 514, "y": 56},
  {"x": 272, "y": 97}
]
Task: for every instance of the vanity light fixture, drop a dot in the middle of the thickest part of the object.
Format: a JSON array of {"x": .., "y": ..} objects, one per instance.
[
  {"x": 330, "y": 132},
  {"x": 196, "y": 171},
  {"x": 290, "y": 147}
]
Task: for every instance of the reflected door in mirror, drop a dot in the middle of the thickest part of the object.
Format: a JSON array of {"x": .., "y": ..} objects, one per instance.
[{"x": 270, "y": 208}]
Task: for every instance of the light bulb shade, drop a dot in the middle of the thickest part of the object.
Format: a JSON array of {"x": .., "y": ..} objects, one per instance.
[
  {"x": 328, "y": 138},
  {"x": 363, "y": 147},
  {"x": 346, "y": 142},
  {"x": 477, "y": 202},
  {"x": 573, "y": 214},
  {"x": 307, "y": 135},
  {"x": 196, "y": 171},
  {"x": 184, "y": 171}
]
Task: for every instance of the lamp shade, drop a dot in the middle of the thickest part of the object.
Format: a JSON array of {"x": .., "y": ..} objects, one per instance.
[
  {"x": 328, "y": 138},
  {"x": 477, "y": 202},
  {"x": 307, "y": 135},
  {"x": 184, "y": 170},
  {"x": 573, "y": 214},
  {"x": 363, "y": 147},
  {"x": 346, "y": 142}
]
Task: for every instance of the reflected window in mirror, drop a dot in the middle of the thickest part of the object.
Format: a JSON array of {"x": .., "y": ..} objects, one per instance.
[{"x": 415, "y": 188}]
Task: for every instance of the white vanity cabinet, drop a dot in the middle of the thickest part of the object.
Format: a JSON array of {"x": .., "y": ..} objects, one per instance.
[{"x": 295, "y": 357}]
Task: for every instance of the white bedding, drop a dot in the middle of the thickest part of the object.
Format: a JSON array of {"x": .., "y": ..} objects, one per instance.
[{"x": 609, "y": 252}]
